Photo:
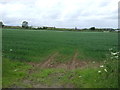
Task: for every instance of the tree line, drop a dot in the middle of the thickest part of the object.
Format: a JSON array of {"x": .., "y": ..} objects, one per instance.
[{"x": 26, "y": 26}]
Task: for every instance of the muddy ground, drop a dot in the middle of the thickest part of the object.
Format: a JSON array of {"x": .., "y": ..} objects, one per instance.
[{"x": 50, "y": 62}]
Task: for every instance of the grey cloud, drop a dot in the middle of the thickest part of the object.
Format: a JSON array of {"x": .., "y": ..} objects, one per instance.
[
  {"x": 60, "y": 13},
  {"x": 104, "y": 4}
]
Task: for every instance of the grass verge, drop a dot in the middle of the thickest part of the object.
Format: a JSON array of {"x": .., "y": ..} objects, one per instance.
[{"x": 13, "y": 71}]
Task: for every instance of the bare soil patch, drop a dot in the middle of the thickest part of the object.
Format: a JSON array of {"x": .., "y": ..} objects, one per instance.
[
  {"x": 48, "y": 63},
  {"x": 74, "y": 63}
]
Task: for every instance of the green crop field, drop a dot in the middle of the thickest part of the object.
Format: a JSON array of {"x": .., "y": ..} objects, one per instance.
[{"x": 44, "y": 58}]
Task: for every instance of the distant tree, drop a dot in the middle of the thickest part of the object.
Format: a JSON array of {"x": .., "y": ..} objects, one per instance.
[
  {"x": 45, "y": 27},
  {"x": 54, "y": 27},
  {"x": 1, "y": 24},
  {"x": 75, "y": 28},
  {"x": 39, "y": 28},
  {"x": 24, "y": 24},
  {"x": 92, "y": 28}
]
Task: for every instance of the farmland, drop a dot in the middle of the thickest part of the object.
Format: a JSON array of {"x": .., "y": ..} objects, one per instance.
[{"x": 60, "y": 59}]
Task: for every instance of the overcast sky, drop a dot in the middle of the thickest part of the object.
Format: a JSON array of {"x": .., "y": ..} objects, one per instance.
[{"x": 61, "y": 13}]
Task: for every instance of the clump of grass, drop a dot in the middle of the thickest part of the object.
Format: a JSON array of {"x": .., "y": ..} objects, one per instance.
[
  {"x": 13, "y": 71},
  {"x": 42, "y": 76}
]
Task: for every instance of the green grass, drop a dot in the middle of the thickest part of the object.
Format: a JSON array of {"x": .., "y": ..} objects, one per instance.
[
  {"x": 13, "y": 71},
  {"x": 36, "y": 45},
  {"x": 79, "y": 78}
]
